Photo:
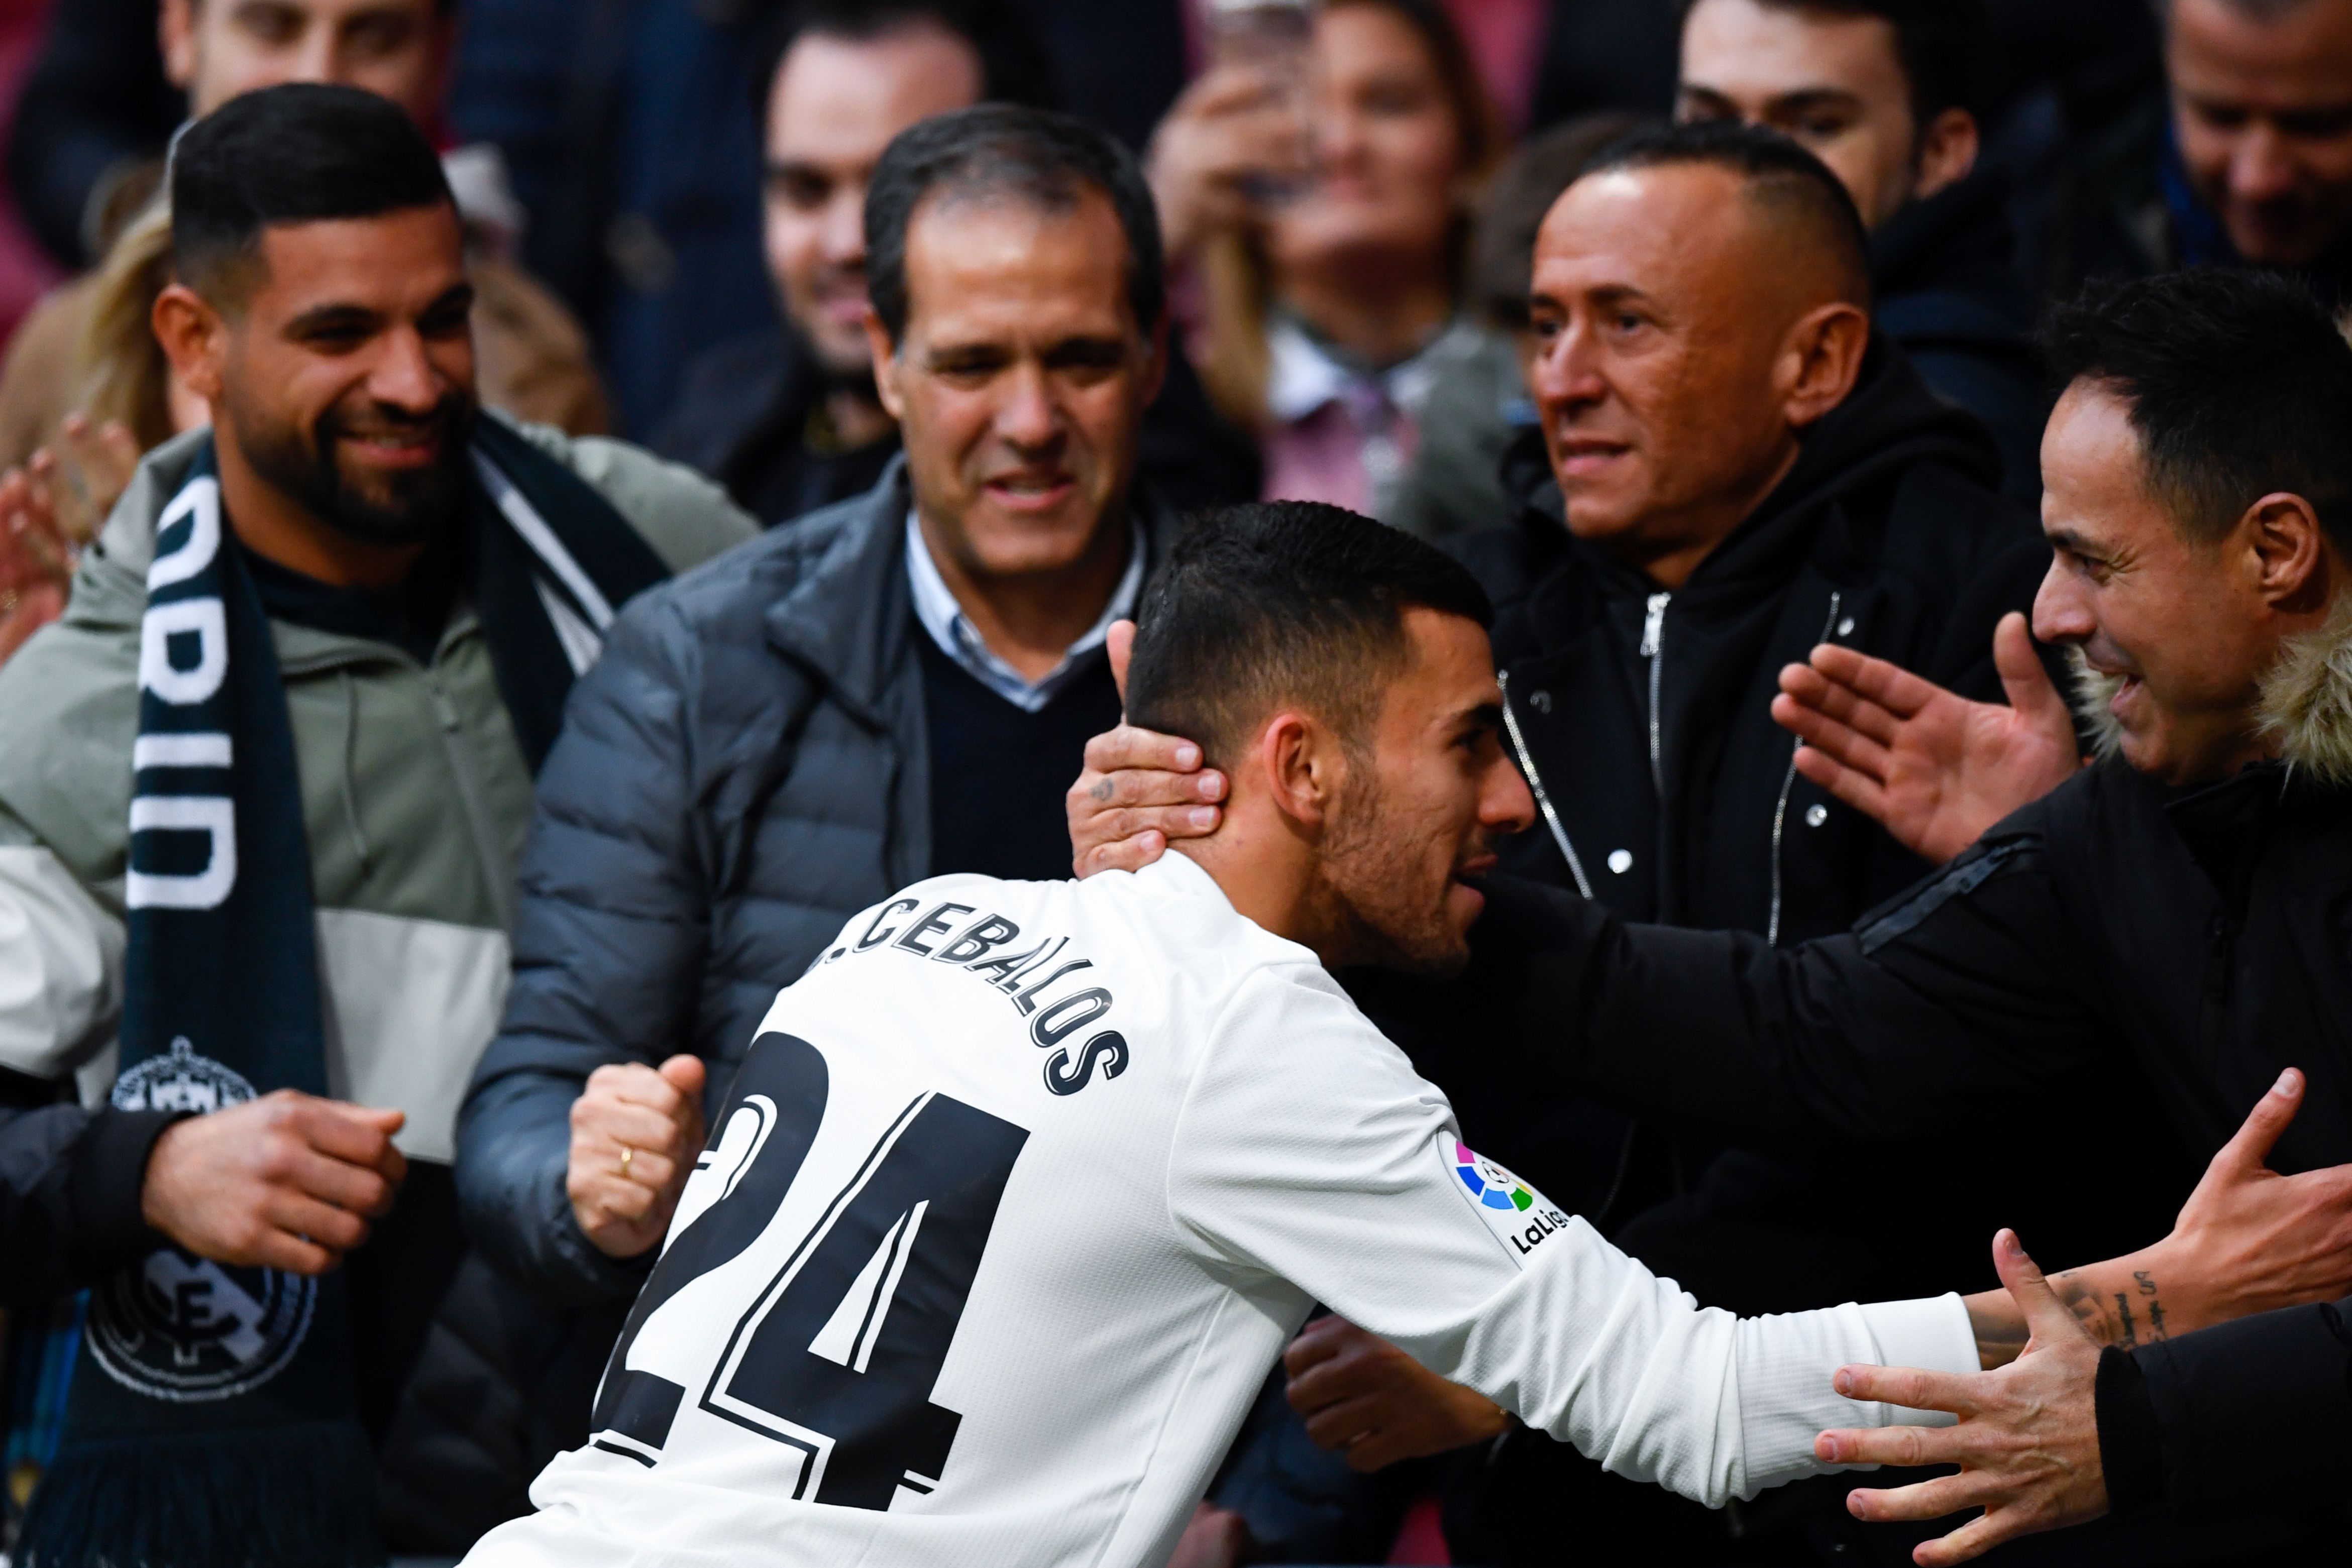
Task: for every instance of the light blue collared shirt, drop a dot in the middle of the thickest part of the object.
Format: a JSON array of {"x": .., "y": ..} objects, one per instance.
[{"x": 951, "y": 629}]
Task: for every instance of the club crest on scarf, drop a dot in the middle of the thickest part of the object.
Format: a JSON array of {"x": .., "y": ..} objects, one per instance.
[{"x": 179, "y": 1327}]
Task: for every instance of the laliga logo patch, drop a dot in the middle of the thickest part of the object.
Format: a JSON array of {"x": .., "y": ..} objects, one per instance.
[
  {"x": 179, "y": 1327},
  {"x": 1489, "y": 1182},
  {"x": 1511, "y": 1208}
]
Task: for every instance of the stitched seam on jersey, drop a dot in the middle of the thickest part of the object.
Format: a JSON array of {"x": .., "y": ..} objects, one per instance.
[{"x": 1209, "y": 1335}]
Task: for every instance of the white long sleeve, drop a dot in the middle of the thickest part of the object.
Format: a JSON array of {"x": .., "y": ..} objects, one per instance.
[{"x": 1307, "y": 1147}]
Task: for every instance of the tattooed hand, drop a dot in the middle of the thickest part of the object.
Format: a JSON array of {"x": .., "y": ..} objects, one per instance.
[{"x": 2247, "y": 1240}]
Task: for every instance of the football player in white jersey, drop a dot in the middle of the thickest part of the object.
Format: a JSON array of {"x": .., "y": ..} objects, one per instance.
[{"x": 1025, "y": 1184}]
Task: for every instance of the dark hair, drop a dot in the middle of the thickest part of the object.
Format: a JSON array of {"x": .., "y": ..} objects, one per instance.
[
  {"x": 303, "y": 152},
  {"x": 1939, "y": 44},
  {"x": 2240, "y": 385},
  {"x": 1014, "y": 67},
  {"x": 1786, "y": 179},
  {"x": 1503, "y": 240},
  {"x": 1033, "y": 155},
  {"x": 1280, "y": 601}
]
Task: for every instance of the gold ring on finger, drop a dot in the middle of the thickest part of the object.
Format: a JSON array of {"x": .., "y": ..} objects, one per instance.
[{"x": 627, "y": 1154}]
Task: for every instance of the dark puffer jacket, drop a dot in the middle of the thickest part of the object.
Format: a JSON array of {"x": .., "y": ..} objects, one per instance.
[{"x": 746, "y": 769}]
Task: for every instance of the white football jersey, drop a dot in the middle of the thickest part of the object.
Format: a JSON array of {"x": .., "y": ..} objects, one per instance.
[{"x": 1018, "y": 1198}]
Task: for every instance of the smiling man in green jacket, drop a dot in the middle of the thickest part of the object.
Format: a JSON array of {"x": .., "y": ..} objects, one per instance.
[{"x": 265, "y": 787}]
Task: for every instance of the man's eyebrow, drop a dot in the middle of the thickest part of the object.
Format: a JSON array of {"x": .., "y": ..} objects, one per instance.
[
  {"x": 1620, "y": 294},
  {"x": 333, "y": 315},
  {"x": 2073, "y": 543},
  {"x": 1813, "y": 98},
  {"x": 1483, "y": 717}
]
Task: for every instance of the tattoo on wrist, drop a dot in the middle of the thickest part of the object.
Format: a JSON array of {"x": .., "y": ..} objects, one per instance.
[
  {"x": 2132, "y": 1317},
  {"x": 2118, "y": 1323}
]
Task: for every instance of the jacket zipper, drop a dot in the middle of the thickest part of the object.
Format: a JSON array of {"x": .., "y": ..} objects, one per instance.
[
  {"x": 1788, "y": 784},
  {"x": 1653, "y": 648},
  {"x": 1536, "y": 785}
]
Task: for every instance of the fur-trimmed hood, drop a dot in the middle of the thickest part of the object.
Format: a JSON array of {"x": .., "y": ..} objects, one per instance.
[
  {"x": 2307, "y": 698},
  {"x": 2306, "y": 702}
]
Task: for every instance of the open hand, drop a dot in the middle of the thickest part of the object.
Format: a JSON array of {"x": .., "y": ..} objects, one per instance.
[
  {"x": 1932, "y": 767},
  {"x": 1361, "y": 1396},
  {"x": 2027, "y": 1442},
  {"x": 635, "y": 1134},
  {"x": 36, "y": 556},
  {"x": 2251, "y": 1241},
  {"x": 87, "y": 469},
  {"x": 288, "y": 1181},
  {"x": 1139, "y": 790}
]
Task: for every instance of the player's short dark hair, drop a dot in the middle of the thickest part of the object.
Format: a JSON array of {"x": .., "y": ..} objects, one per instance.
[
  {"x": 1044, "y": 158},
  {"x": 1785, "y": 179},
  {"x": 303, "y": 152},
  {"x": 2239, "y": 383},
  {"x": 1284, "y": 601},
  {"x": 1014, "y": 67},
  {"x": 1939, "y": 44}
]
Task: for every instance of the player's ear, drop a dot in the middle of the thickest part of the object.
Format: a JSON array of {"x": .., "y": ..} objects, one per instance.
[{"x": 1300, "y": 758}]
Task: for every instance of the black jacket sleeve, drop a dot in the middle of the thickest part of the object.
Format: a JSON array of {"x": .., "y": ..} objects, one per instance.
[
  {"x": 1958, "y": 991},
  {"x": 2251, "y": 1415},
  {"x": 69, "y": 1196}
]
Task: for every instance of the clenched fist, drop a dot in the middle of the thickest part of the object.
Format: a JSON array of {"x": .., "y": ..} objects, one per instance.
[
  {"x": 288, "y": 1181},
  {"x": 635, "y": 1134}
]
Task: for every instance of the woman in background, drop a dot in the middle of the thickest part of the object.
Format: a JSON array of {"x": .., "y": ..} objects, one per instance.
[{"x": 1318, "y": 211}]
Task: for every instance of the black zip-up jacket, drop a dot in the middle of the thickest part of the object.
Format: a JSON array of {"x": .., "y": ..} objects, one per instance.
[{"x": 1644, "y": 718}]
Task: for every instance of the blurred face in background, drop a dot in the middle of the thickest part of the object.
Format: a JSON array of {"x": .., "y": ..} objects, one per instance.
[
  {"x": 836, "y": 104},
  {"x": 1019, "y": 383},
  {"x": 1389, "y": 178},
  {"x": 1832, "y": 83},
  {"x": 399, "y": 49},
  {"x": 1662, "y": 309},
  {"x": 2262, "y": 106}
]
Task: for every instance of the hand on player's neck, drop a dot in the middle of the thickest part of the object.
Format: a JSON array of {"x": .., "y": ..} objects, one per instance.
[
  {"x": 1267, "y": 854},
  {"x": 278, "y": 528}
]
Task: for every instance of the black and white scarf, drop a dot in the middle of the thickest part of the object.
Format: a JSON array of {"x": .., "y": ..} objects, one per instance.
[{"x": 212, "y": 1423}]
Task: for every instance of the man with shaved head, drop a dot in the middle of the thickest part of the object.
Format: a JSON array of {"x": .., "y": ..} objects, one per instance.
[{"x": 1732, "y": 465}]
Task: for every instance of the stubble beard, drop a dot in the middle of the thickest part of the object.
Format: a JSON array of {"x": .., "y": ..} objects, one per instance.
[
  {"x": 1376, "y": 908},
  {"x": 421, "y": 504}
]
